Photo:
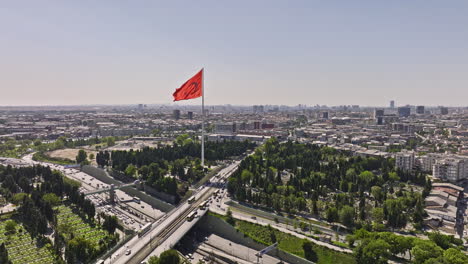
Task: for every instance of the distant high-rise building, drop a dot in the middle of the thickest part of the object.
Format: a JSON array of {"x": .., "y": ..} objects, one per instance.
[
  {"x": 378, "y": 115},
  {"x": 258, "y": 109},
  {"x": 140, "y": 107},
  {"x": 420, "y": 109},
  {"x": 325, "y": 115},
  {"x": 256, "y": 125},
  {"x": 378, "y": 112},
  {"x": 379, "y": 120},
  {"x": 176, "y": 114},
  {"x": 404, "y": 111},
  {"x": 444, "y": 110},
  {"x": 226, "y": 128},
  {"x": 190, "y": 115},
  {"x": 392, "y": 104}
]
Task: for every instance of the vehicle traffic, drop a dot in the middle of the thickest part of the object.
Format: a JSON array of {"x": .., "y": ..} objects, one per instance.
[
  {"x": 191, "y": 199},
  {"x": 191, "y": 216},
  {"x": 144, "y": 229}
]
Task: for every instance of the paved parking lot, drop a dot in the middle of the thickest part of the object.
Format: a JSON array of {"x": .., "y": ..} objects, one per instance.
[{"x": 132, "y": 214}]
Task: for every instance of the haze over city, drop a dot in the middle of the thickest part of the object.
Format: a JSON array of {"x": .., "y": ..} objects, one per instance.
[
  {"x": 254, "y": 52},
  {"x": 222, "y": 132}
]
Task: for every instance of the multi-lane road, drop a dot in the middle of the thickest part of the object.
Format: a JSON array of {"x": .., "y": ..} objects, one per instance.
[
  {"x": 133, "y": 215},
  {"x": 166, "y": 232},
  {"x": 168, "y": 229}
]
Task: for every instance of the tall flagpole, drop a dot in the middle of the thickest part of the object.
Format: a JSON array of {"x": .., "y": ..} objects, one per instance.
[{"x": 203, "y": 120}]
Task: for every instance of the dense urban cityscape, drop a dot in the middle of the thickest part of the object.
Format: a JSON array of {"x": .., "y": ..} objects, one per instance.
[
  {"x": 121, "y": 184},
  {"x": 234, "y": 132}
]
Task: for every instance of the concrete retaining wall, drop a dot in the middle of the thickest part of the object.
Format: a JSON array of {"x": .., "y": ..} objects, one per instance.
[
  {"x": 219, "y": 227},
  {"x": 148, "y": 189},
  {"x": 163, "y": 196}
]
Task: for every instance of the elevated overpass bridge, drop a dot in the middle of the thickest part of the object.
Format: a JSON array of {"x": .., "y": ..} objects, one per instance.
[
  {"x": 111, "y": 190},
  {"x": 168, "y": 231}
]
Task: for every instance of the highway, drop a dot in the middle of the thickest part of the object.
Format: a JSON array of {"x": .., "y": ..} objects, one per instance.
[
  {"x": 153, "y": 242},
  {"x": 132, "y": 215},
  {"x": 168, "y": 229}
]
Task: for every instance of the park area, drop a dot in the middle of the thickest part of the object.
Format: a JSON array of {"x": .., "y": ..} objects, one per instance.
[
  {"x": 21, "y": 248},
  {"x": 71, "y": 223},
  {"x": 69, "y": 154},
  {"x": 292, "y": 244}
]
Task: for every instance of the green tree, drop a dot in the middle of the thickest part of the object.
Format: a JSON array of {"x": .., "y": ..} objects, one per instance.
[
  {"x": 110, "y": 141},
  {"x": 347, "y": 216},
  {"x": 37, "y": 142},
  {"x": 309, "y": 252},
  {"x": 372, "y": 251},
  {"x": 81, "y": 157},
  {"x": 378, "y": 214},
  {"x": 230, "y": 218},
  {"x": 366, "y": 177},
  {"x": 4, "y": 255},
  {"x": 79, "y": 249},
  {"x": 332, "y": 214},
  {"x": 273, "y": 236},
  {"x": 10, "y": 226},
  {"x": 424, "y": 250},
  {"x": 130, "y": 170},
  {"x": 378, "y": 217},
  {"x": 51, "y": 198},
  {"x": 110, "y": 223},
  {"x": 153, "y": 260},
  {"x": 377, "y": 193},
  {"x": 170, "y": 256},
  {"x": 18, "y": 198},
  {"x": 394, "y": 212},
  {"x": 455, "y": 256}
]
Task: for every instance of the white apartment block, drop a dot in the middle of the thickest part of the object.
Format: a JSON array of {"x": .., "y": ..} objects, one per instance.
[
  {"x": 427, "y": 161},
  {"x": 404, "y": 160},
  {"x": 451, "y": 169}
]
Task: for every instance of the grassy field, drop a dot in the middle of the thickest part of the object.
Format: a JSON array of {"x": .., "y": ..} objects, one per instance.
[
  {"x": 69, "y": 154},
  {"x": 71, "y": 223},
  {"x": 22, "y": 249},
  {"x": 289, "y": 243},
  {"x": 39, "y": 156}
]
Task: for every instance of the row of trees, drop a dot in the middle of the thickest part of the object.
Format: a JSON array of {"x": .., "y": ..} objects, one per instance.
[
  {"x": 81, "y": 250},
  {"x": 37, "y": 190},
  {"x": 64, "y": 142},
  {"x": 379, "y": 247},
  {"x": 213, "y": 151},
  {"x": 40, "y": 189},
  {"x": 170, "y": 256},
  {"x": 4, "y": 259},
  {"x": 181, "y": 160}
]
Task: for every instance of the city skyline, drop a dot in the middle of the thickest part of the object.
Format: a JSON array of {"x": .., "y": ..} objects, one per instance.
[{"x": 254, "y": 53}]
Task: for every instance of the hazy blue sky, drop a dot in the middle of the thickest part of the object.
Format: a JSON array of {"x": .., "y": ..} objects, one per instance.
[{"x": 254, "y": 52}]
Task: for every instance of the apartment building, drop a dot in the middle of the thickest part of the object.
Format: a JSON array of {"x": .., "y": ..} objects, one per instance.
[
  {"x": 451, "y": 169},
  {"x": 404, "y": 160}
]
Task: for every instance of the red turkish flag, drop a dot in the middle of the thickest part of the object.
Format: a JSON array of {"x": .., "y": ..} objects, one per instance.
[{"x": 193, "y": 88}]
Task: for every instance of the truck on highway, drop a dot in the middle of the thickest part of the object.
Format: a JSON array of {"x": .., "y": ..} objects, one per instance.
[{"x": 144, "y": 229}]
